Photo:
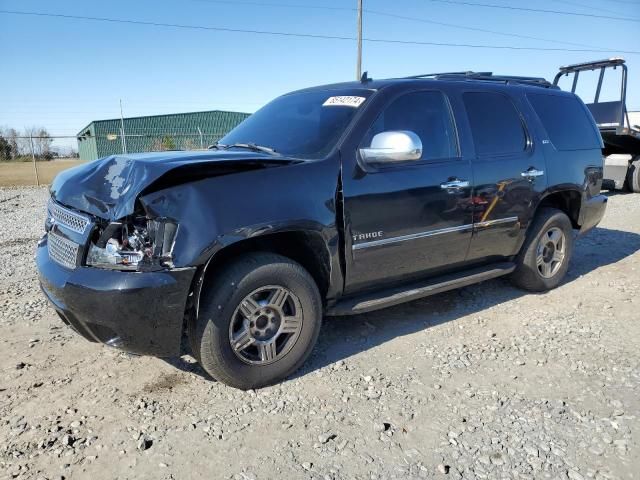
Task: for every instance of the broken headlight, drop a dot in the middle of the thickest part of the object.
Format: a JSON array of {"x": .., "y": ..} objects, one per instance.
[{"x": 139, "y": 244}]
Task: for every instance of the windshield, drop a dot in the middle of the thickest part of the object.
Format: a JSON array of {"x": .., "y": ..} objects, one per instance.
[{"x": 305, "y": 125}]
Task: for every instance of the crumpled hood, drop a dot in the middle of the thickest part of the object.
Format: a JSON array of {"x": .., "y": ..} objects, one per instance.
[{"x": 108, "y": 187}]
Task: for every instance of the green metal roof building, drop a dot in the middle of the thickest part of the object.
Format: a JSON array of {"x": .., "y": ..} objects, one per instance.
[{"x": 178, "y": 131}]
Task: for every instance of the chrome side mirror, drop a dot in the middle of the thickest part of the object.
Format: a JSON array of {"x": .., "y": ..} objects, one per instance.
[{"x": 393, "y": 146}]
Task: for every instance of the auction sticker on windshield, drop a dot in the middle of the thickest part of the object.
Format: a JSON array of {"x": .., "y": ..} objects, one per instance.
[{"x": 344, "y": 101}]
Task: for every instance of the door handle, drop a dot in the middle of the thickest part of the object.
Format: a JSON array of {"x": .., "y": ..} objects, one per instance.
[
  {"x": 532, "y": 173},
  {"x": 454, "y": 184}
]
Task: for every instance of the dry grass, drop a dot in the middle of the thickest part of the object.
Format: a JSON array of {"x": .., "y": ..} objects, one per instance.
[{"x": 21, "y": 173}]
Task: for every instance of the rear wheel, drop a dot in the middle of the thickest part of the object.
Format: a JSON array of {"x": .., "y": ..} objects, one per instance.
[
  {"x": 633, "y": 176},
  {"x": 544, "y": 258},
  {"x": 259, "y": 320}
]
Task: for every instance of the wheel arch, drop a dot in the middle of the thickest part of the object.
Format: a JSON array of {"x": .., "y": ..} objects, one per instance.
[
  {"x": 306, "y": 247},
  {"x": 568, "y": 200}
]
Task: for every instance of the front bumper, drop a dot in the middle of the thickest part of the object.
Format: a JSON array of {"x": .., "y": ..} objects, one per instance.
[
  {"x": 139, "y": 312},
  {"x": 591, "y": 212}
]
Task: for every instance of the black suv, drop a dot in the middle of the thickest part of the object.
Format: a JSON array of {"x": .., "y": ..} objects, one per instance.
[{"x": 333, "y": 200}]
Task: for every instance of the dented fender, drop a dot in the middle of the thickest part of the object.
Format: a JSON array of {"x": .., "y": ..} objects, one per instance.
[{"x": 215, "y": 212}]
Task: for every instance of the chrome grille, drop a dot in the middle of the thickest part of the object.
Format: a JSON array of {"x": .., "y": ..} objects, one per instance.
[
  {"x": 63, "y": 251},
  {"x": 63, "y": 216}
]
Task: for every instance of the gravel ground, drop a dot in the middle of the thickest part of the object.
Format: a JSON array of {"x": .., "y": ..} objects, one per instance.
[{"x": 483, "y": 382}]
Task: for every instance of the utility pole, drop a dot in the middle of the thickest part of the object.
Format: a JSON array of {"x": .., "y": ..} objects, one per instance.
[
  {"x": 122, "y": 136},
  {"x": 359, "y": 61}
]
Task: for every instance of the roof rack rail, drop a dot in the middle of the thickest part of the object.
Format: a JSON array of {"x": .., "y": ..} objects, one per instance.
[
  {"x": 488, "y": 76},
  {"x": 578, "y": 67}
]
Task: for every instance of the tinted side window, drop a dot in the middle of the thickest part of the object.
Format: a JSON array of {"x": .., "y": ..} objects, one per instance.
[
  {"x": 427, "y": 115},
  {"x": 496, "y": 125},
  {"x": 566, "y": 122}
]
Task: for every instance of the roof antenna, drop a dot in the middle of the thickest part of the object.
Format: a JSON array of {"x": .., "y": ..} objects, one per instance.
[{"x": 365, "y": 78}]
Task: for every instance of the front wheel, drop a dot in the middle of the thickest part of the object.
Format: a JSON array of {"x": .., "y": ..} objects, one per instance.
[
  {"x": 544, "y": 259},
  {"x": 258, "y": 321}
]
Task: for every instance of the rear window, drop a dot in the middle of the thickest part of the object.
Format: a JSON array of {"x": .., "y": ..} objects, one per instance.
[
  {"x": 496, "y": 125},
  {"x": 566, "y": 122}
]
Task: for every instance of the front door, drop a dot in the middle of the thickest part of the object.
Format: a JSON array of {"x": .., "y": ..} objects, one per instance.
[{"x": 412, "y": 218}]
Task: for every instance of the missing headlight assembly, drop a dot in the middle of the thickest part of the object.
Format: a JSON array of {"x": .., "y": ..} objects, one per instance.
[{"x": 138, "y": 243}]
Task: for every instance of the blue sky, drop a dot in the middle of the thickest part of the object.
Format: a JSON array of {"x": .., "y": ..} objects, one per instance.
[{"x": 63, "y": 73}]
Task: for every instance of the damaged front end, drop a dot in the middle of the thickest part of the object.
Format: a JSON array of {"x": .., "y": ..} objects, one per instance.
[
  {"x": 115, "y": 282},
  {"x": 126, "y": 236},
  {"x": 137, "y": 243}
]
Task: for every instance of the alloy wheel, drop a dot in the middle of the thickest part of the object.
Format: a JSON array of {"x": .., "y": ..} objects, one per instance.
[
  {"x": 266, "y": 325},
  {"x": 550, "y": 253}
]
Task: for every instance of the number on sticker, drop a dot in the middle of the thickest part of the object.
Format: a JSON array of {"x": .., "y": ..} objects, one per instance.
[{"x": 343, "y": 101}]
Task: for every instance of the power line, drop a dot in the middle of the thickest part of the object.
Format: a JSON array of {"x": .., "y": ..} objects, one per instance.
[
  {"x": 627, "y": 2},
  {"x": 329, "y": 7},
  {"x": 588, "y": 7},
  {"x": 175, "y": 25},
  {"x": 303, "y": 35},
  {"x": 392, "y": 15},
  {"x": 483, "y": 30},
  {"x": 276, "y": 4},
  {"x": 537, "y": 10}
]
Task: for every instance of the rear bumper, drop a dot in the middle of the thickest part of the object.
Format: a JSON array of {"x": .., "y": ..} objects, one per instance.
[
  {"x": 591, "y": 212},
  {"x": 139, "y": 312}
]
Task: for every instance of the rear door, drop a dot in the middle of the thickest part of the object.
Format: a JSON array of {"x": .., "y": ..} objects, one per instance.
[
  {"x": 411, "y": 219},
  {"x": 509, "y": 172}
]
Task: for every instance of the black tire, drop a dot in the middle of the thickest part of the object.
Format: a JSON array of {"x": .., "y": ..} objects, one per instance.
[
  {"x": 219, "y": 307},
  {"x": 632, "y": 183},
  {"x": 528, "y": 274}
]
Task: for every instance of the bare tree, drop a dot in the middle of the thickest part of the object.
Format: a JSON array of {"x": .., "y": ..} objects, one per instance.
[
  {"x": 5, "y": 149},
  {"x": 38, "y": 139},
  {"x": 43, "y": 141},
  {"x": 11, "y": 137},
  {"x": 11, "y": 134},
  {"x": 26, "y": 145}
]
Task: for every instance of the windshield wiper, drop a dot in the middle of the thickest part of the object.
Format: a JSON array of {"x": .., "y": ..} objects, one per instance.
[{"x": 250, "y": 146}]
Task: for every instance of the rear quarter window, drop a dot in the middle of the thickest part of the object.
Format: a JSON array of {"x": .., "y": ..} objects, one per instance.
[{"x": 566, "y": 121}]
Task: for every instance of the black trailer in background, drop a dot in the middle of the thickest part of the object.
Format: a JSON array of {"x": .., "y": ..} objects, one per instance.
[{"x": 620, "y": 136}]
